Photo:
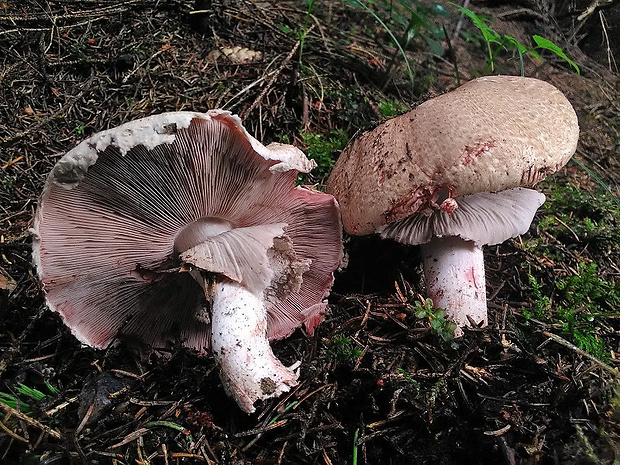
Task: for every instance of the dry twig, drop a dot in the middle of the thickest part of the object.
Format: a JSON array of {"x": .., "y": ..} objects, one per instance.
[
  {"x": 593, "y": 7},
  {"x": 581, "y": 352},
  {"x": 31, "y": 421}
]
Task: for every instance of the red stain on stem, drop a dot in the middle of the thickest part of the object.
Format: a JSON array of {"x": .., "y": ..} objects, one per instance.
[{"x": 470, "y": 277}]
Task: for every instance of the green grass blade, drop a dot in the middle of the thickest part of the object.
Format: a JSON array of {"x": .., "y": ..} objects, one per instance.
[
  {"x": 599, "y": 181},
  {"x": 33, "y": 393},
  {"x": 13, "y": 402},
  {"x": 387, "y": 29},
  {"x": 54, "y": 391},
  {"x": 546, "y": 44}
]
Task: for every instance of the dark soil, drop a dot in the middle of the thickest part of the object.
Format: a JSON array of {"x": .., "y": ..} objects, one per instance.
[{"x": 377, "y": 386}]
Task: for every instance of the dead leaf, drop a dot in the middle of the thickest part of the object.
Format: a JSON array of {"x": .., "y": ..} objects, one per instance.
[
  {"x": 238, "y": 55},
  {"x": 7, "y": 283}
]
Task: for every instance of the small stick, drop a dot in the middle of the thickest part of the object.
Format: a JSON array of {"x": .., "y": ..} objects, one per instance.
[
  {"x": 282, "y": 453},
  {"x": 459, "y": 24},
  {"x": 274, "y": 77},
  {"x": 12, "y": 162},
  {"x": 610, "y": 56},
  {"x": 87, "y": 416},
  {"x": 366, "y": 314},
  {"x": 592, "y": 8},
  {"x": 31, "y": 421},
  {"x": 573, "y": 347},
  {"x": 59, "y": 407},
  {"x": 12, "y": 433},
  {"x": 130, "y": 437}
]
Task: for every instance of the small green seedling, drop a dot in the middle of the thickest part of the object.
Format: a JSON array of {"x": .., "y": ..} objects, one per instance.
[
  {"x": 362, "y": 4},
  {"x": 441, "y": 326},
  {"x": 303, "y": 34},
  {"x": 582, "y": 302},
  {"x": 322, "y": 148},
  {"x": 8, "y": 182},
  {"x": 391, "y": 107},
  {"x": 22, "y": 393},
  {"x": 590, "y": 219},
  {"x": 496, "y": 42},
  {"x": 355, "y": 446},
  {"x": 341, "y": 349},
  {"x": 409, "y": 379},
  {"x": 417, "y": 19},
  {"x": 14, "y": 402},
  {"x": 542, "y": 303}
]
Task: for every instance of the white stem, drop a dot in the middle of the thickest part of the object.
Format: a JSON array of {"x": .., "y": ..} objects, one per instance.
[
  {"x": 248, "y": 368},
  {"x": 454, "y": 273}
]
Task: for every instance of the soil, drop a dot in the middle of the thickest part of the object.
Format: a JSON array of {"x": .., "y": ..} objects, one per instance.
[{"x": 377, "y": 385}]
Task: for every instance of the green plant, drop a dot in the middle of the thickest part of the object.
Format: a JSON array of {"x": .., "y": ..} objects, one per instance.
[
  {"x": 8, "y": 182},
  {"x": 583, "y": 302},
  {"x": 585, "y": 298},
  {"x": 352, "y": 107},
  {"x": 387, "y": 29},
  {"x": 21, "y": 392},
  {"x": 355, "y": 446},
  {"x": 409, "y": 379},
  {"x": 322, "y": 149},
  {"x": 441, "y": 326},
  {"x": 587, "y": 292},
  {"x": 14, "y": 402},
  {"x": 440, "y": 387},
  {"x": 542, "y": 303},
  {"x": 304, "y": 31},
  {"x": 406, "y": 20},
  {"x": 590, "y": 218},
  {"x": 391, "y": 107},
  {"x": 599, "y": 204},
  {"x": 417, "y": 19},
  {"x": 341, "y": 349},
  {"x": 495, "y": 42},
  {"x": 600, "y": 182}
]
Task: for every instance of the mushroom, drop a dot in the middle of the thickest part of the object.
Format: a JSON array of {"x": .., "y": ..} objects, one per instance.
[
  {"x": 183, "y": 226},
  {"x": 448, "y": 176}
]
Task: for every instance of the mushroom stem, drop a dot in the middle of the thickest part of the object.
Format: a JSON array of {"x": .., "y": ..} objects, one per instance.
[
  {"x": 454, "y": 273},
  {"x": 248, "y": 368}
]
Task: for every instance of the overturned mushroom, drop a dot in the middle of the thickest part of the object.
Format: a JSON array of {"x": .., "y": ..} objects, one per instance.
[
  {"x": 183, "y": 226},
  {"x": 448, "y": 174}
]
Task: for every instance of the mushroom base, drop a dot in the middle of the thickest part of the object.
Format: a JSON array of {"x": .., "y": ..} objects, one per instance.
[
  {"x": 454, "y": 273},
  {"x": 248, "y": 368}
]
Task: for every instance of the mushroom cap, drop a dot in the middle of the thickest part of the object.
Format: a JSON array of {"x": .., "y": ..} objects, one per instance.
[
  {"x": 120, "y": 212},
  {"x": 491, "y": 134}
]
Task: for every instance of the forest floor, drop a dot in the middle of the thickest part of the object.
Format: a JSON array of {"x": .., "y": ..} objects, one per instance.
[{"x": 539, "y": 385}]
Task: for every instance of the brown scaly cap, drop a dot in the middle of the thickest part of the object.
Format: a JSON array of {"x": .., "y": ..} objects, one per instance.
[{"x": 491, "y": 134}]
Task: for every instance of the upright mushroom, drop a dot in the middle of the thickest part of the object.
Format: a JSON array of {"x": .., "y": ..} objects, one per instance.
[
  {"x": 183, "y": 226},
  {"x": 448, "y": 175}
]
